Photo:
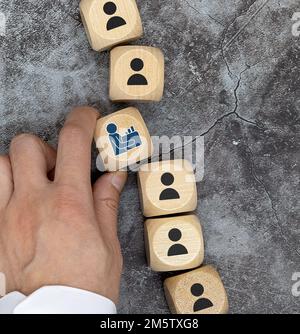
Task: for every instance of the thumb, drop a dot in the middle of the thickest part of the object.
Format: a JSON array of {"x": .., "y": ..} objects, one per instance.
[{"x": 106, "y": 191}]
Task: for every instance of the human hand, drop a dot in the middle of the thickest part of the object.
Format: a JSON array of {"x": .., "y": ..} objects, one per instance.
[{"x": 59, "y": 230}]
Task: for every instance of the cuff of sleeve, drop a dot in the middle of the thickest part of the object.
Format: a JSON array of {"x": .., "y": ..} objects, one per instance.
[
  {"x": 65, "y": 300},
  {"x": 9, "y": 302}
]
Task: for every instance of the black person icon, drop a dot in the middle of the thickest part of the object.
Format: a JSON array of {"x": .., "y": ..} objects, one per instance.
[
  {"x": 137, "y": 79},
  {"x": 197, "y": 290},
  {"x": 177, "y": 249},
  {"x": 114, "y": 22},
  {"x": 167, "y": 179}
]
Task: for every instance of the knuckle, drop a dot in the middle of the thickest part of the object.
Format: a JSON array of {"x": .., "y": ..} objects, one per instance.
[
  {"x": 110, "y": 203},
  {"x": 68, "y": 203},
  {"x": 25, "y": 139},
  {"x": 25, "y": 212},
  {"x": 72, "y": 130}
]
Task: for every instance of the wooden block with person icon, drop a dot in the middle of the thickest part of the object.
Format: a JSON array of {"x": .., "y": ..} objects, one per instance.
[
  {"x": 174, "y": 243},
  {"x": 122, "y": 139},
  {"x": 136, "y": 74},
  {"x": 200, "y": 291},
  {"x": 108, "y": 23},
  {"x": 167, "y": 187}
]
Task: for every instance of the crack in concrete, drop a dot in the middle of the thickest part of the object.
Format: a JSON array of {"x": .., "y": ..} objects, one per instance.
[
  {"x": 235, "y": 36},
  {"x": 222, "y": 49},
  {"x": 257, "y": 179},
  {"x": 222, "y": 45},
  {"x": 198, "y": 12},
  {"x": 221, "y": 118},
  {"x": 236, "y": 106}
]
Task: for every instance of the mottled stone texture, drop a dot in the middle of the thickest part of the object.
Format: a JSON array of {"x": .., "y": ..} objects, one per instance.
[{"x": 232, "y": 76}]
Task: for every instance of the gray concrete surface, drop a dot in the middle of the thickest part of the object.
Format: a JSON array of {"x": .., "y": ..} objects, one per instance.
[{"x": 232, "y": 76}]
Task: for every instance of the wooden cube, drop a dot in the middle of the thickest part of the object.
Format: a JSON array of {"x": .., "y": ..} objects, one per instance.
[
  {"x": 108, "y": 23},
  {"x": 122, "y": 139},
  {"x": 200, "y": 291},
  {"x": 174, "y": 243},
  {"x": 167, "y": 187},
  {"x": 136, "y": 74}
]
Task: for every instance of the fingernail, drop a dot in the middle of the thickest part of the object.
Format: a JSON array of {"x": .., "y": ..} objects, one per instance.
[{"x": 119, "y": 180}]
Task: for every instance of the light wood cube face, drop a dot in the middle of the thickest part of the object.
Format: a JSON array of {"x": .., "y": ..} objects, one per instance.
[
  {"x": 200, "y": 291},
  {"x": 122, "y": 139},
  {"x": 167, "y": 187},
  {"x": 136, "y": 74},
  {"x": 174, "y": 243},
  {"x": 108, "y": 23}
]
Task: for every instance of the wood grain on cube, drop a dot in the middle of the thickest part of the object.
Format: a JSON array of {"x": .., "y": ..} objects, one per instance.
[
  {"x": 200, "y": 291},
  {"x": 174, "y": 243},
  {"x": 167, "y": 187},
  {"x": 122, "y": 139},
  {"x": 109, "y": 23},
  {"x": 136, "y": 74}
]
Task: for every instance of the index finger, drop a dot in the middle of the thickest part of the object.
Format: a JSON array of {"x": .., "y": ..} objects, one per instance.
[{"x": 74, "y": 146}]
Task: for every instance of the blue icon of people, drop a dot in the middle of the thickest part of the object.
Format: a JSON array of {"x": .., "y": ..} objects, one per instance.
[{"x": 122, "y": 144}]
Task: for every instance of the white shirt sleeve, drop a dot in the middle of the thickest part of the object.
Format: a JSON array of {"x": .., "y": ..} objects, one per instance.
[{"x": 56, "y": 300}]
